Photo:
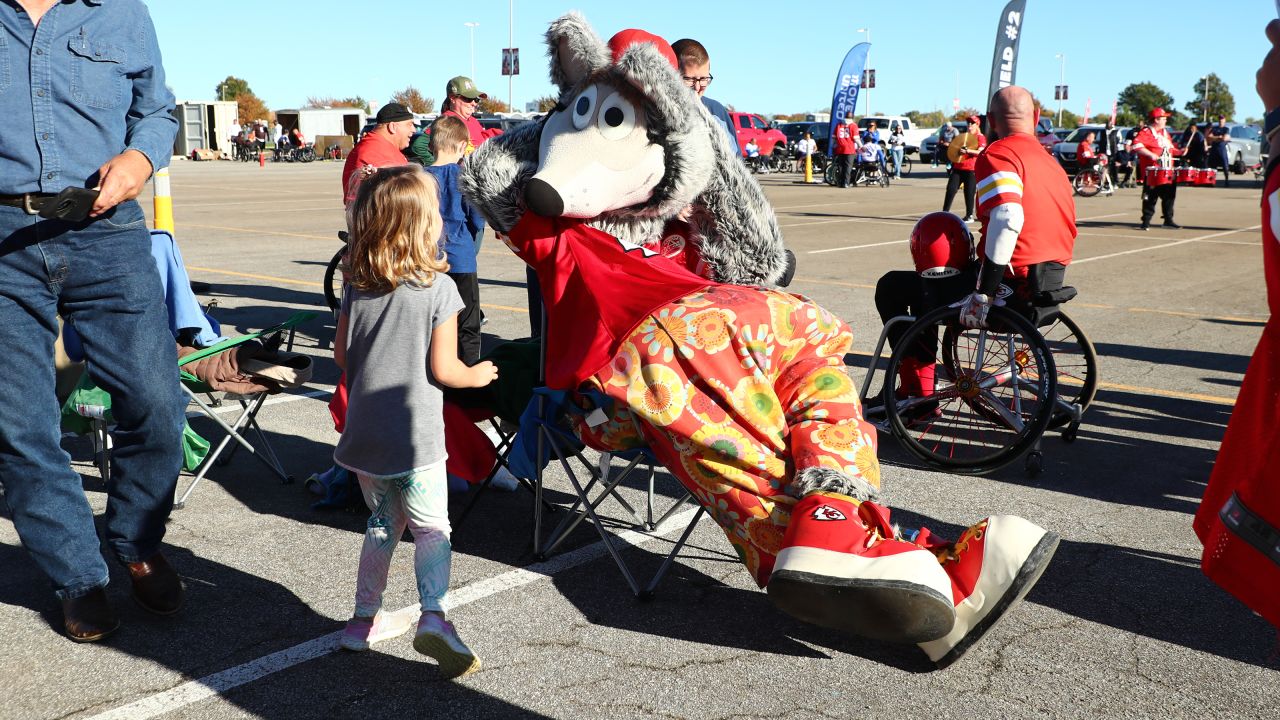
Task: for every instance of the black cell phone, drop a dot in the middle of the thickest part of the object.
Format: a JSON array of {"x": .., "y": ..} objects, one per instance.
[{"x": 72, "y": 204}]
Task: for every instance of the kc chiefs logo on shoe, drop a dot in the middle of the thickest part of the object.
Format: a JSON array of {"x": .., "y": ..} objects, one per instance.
[{"x": 826, "y": 512}]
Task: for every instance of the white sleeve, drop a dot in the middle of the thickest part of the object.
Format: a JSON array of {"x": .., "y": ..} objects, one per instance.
[{"x": 1003, "y": 227}]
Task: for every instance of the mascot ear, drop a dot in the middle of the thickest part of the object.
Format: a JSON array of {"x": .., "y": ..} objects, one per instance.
[{"x": 575, "y": 51}]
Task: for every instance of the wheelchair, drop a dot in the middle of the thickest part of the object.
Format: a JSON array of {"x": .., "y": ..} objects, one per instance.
[
  {"x": 998, "y": 390},
  {"x": 869, "y": 173}
]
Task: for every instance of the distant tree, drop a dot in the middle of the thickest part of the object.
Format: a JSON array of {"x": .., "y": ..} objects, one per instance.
[
  {"x": 1219, "y": 99},
  {"x": 231, "y": 88},
  {"x": 547, "y": 103},
  {"x": 1127, "y": 118},
  {"x": 329, "y": 101},
  {"x": 1252, "y": 121},
  {"x": 933, "y": 118},
  {"x": 1140, "y": 98},
  {"x": 963, "y": 113},
  {"x": 1100, "y": 119},
  {"x": 1069, "y": 119},
  {"x": 492, "y": 105},
  {"x": 413, "y": 99},
  {"x": 251, "y": 108}
]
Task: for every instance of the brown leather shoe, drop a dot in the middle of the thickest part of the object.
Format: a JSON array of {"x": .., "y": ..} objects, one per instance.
[
  {"x": 89, "y": 618},
  {"x": 156, "y": 586}
]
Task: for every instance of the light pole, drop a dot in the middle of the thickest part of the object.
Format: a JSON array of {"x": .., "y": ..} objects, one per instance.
[
  {"x": 472, "y": 27},
  {"x": 1062, "y": 83},
  {"x": 864, "y": 72},
  {"x": 511, "y": 43}
]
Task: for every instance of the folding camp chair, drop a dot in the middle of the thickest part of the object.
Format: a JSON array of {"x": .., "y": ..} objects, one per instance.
[{"x": 250, "y": 405}]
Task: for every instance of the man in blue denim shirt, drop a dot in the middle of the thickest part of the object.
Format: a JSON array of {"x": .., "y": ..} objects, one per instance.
[{"x": 84, "y": 105}]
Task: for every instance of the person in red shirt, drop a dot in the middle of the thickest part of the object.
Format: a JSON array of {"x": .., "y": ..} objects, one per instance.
[
  {"x": 1239, "y": 518},
  {"x": 1025, "y": 204},
  {"x": 846, "y": 146},
  {"x": 461, "y": 100},
  {"x": 380, "y": 147},
  {"x": 971, "y": 143},
  {"x": 1156, "y": 151}
]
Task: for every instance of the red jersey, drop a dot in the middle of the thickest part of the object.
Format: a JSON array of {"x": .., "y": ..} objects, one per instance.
[
  {"x": 596, "y": 290},
  {"x": 1084, "y": 152},
  {"x": 846, "y": 140},
  {"x": 373, "y": 149},
  {"x": 1016, "y": 169},
  {"x": 973, "y": 141},
  {"x": 1239, "y": 517},
  {"x": 1158, "y": 142}
]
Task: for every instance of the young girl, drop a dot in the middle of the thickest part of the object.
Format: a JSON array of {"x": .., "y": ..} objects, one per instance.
[{"x": 397, "y": 341}]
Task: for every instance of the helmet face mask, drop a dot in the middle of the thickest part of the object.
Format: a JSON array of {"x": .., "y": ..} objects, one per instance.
[{"x": 941, "y": 246}]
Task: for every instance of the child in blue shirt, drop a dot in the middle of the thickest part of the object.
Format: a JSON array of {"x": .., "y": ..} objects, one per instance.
[{"x": 449, "y": 138}]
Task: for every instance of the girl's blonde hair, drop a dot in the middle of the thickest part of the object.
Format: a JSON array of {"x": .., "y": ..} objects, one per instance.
[{"x": 395, "y": 228}]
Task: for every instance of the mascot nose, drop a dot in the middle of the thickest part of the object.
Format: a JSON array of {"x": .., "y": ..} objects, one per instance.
[{"x": 543, "y": 199}]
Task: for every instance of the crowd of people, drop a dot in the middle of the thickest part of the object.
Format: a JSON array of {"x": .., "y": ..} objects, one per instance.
[{"x": 413, "y": 258}]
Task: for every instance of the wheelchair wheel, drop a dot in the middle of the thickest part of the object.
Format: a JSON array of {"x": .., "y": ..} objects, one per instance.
[
  {"x": 333, "y": 281},
  {"x": 1087, "y": 183},
  {"x": 884, "y": 179},
  {"x": 1077, "y": 364},
  {"x": 993, "y": 395},
  {"x": 905, "y": 170}
]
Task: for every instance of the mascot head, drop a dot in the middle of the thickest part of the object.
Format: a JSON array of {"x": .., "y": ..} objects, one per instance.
[{"x": 627, "y": 148}]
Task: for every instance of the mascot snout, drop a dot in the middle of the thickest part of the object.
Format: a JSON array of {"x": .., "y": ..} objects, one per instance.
[{"x": 543, "y": 199}]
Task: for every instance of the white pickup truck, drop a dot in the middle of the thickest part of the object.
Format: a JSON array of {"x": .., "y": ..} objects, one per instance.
[{"x": 915, "y": 135}]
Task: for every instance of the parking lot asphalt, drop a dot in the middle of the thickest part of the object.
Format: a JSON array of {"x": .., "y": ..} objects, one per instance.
[{"x": 1122, "y": 625}]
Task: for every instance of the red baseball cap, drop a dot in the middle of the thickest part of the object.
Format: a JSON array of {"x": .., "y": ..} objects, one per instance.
[
  {"x": 974, "y": 119},
  {"x": 1158, "y": 112},
  {"x": 619, "y": 43}
]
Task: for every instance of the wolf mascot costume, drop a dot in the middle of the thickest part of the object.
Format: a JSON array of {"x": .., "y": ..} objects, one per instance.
[{"x": 673, "y": 326}]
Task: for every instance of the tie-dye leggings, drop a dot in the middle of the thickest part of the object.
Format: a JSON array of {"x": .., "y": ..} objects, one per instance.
[
  {"x": 736, "y": 389},
  {"x": 419, "y": 501}
]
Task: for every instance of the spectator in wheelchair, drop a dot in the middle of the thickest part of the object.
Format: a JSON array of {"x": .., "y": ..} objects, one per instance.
[
  {"x": 1028, "y": 236},
  {"x": 871, "y": 159}
]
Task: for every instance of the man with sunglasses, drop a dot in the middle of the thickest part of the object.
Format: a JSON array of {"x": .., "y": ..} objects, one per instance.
[
  {"x": 695, "y": 70},
  {"x": 461, "y": 100}
]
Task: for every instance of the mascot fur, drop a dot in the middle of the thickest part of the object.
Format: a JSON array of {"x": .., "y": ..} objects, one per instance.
[{"x": 658, "y": 254}]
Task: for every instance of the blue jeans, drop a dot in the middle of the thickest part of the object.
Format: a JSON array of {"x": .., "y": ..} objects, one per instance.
[{"x": 101, "y": 278}]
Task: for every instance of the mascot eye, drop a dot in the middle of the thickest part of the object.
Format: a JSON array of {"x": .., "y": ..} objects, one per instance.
[
  {"x": 583, "y": 106},
  {"x": 617, "y": 118}
]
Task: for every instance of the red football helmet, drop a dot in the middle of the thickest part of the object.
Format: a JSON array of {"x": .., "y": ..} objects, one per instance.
[{"x": 941, "y": 245}]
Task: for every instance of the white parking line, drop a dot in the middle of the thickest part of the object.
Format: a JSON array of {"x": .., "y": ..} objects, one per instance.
[
  {"x": 1166, "y": 245},
  {"x": 209, "y": 686},
  {"x": 856, "y": 247}
]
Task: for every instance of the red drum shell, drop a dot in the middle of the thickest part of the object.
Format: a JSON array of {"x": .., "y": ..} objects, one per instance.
[
  {"x": 1207, "y": 177},
  {"x": 1157, "y": 176},
  {"x": 1185, "y": 175}
]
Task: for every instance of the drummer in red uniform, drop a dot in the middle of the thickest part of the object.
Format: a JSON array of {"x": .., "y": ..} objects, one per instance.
[{"x": 1155, "y": 151}]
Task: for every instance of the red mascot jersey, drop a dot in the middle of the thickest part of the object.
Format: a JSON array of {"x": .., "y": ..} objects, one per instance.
[
  {"x": 596, "y": 290},
  {"x": 1239, "y": 518}
]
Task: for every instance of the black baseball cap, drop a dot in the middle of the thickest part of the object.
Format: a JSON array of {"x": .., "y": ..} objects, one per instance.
[{"x": 392, "y": 112}]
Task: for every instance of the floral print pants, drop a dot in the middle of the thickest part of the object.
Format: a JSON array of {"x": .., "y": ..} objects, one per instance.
[{"x": 735, "y": 389}]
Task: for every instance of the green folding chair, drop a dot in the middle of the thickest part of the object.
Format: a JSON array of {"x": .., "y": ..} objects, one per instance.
[
  {"x": 88, "y": 409},
  {"x": 195, "y": 388}
]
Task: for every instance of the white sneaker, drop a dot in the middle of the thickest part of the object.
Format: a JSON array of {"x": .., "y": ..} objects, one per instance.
[
  {"x": 504, "y": 480},
  {"x": 361, "y": 632},
  {"x": 438, "y": 639}
]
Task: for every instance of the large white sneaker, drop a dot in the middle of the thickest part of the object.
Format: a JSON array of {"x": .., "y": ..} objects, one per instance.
[
  {"x": 842, "y": 568},
  {"x": 992, "y": 566}
]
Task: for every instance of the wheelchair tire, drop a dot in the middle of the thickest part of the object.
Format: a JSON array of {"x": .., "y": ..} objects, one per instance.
[
  {"x": 905, "y": 170},
  {"x": 1076, "y": 363},
  {"x": 1087, "y": 189},
  {"x": 333, "y": 282},
  {"x": 980, "y": 418}
]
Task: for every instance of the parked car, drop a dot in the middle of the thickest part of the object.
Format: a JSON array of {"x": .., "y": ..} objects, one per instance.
[
  {"x": 1065, "y": 151},
  {"x": 748, "y": 126},
  {"x": 930, "y": 144},
  {"x": 914, "y": 135},
  {"x": 1245, "y": 148},
  {"x": 793, "y": 131}
]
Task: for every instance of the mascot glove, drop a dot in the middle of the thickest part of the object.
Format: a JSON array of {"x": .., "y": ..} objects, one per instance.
[{"x": 974, "y": 309}]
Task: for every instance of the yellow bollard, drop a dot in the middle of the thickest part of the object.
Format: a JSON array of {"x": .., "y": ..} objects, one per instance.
[
  {"x": 808, "y": 168},
  {"x": 163, "y": 201}
]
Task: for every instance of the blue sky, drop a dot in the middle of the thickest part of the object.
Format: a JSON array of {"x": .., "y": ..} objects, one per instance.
[{"x": 767, "y": 57}]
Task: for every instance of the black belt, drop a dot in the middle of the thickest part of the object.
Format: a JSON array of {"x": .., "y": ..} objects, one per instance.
[{"x": 31, "y": 203}]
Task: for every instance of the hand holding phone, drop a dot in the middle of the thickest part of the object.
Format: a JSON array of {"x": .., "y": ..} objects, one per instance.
[{"x": 72, "y": 205}]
